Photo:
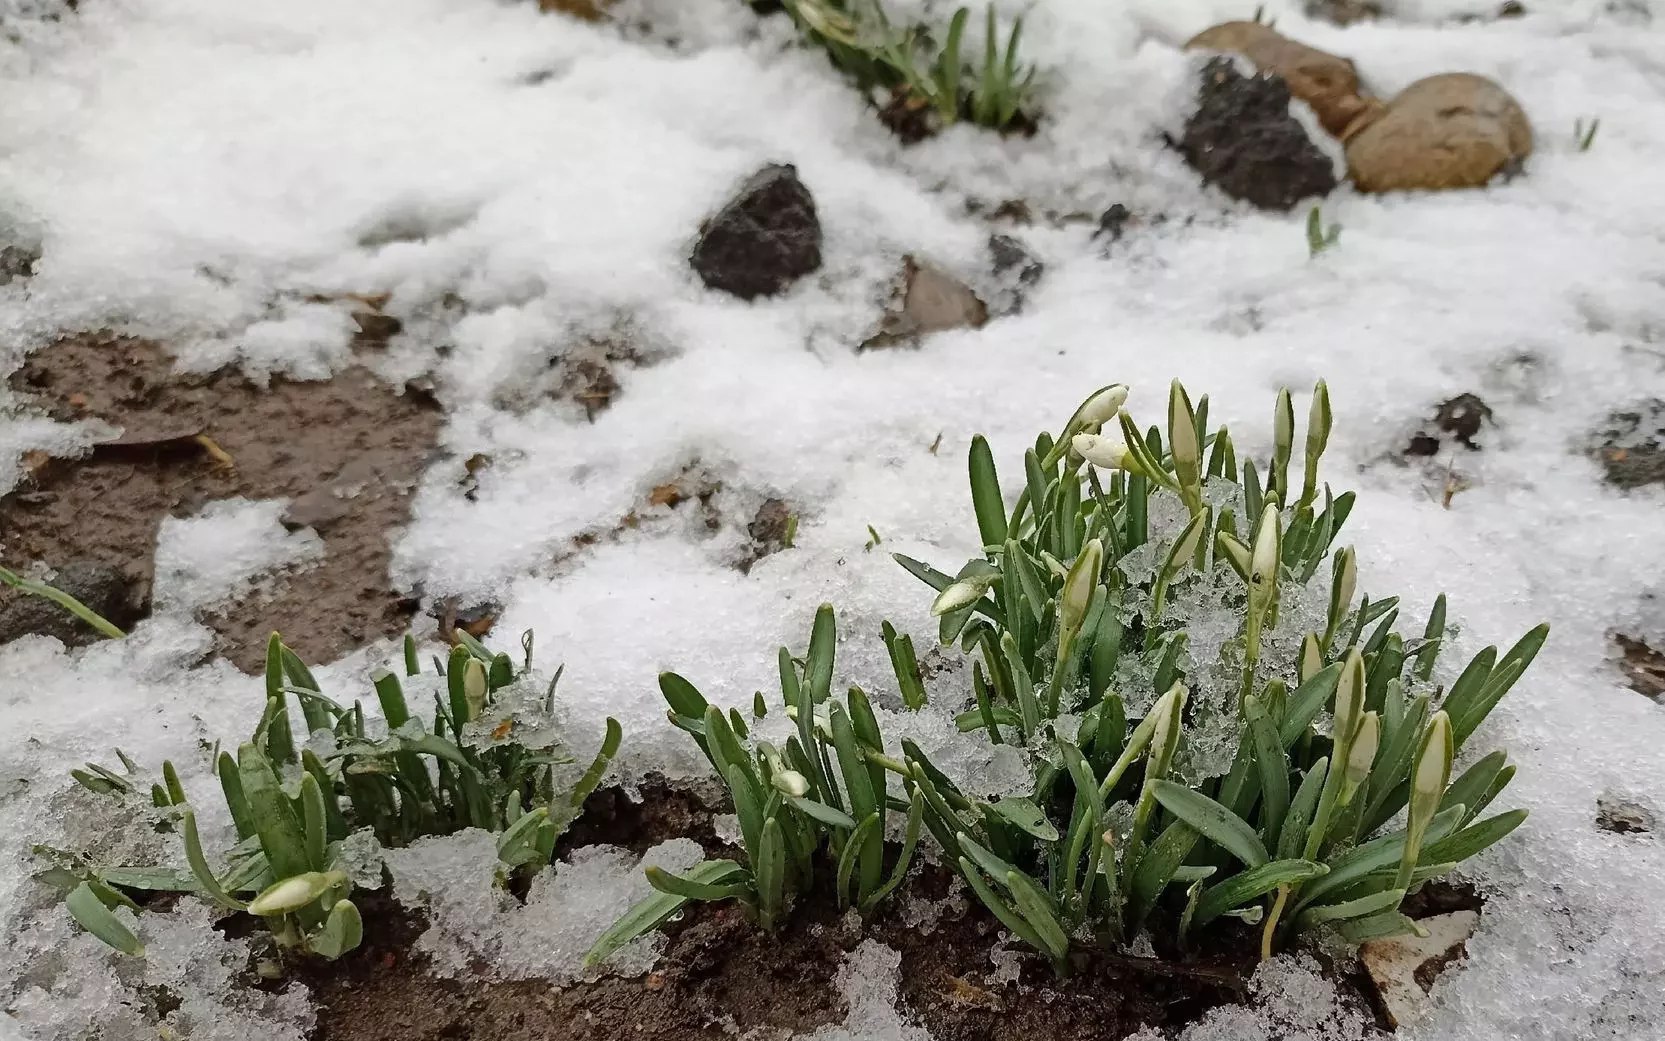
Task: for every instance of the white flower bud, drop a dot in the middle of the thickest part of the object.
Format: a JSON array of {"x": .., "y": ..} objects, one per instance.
[
  {"x": 1263, "y": 564},
  {"x": 1110, "y": 453},
  {"x": 1312, "y": 658},
  {"x": 1362, "y": 754},
  {"x": 1347, "y": 579},
  {"x": 1079, "y": 585},
  {"x": 294, "y": 893},
  {"x": 791, "y": 783},
  {"x": 1283, "y": 423},
  {"x": 1182, "y": 432},
  {"x": 474, "y": 686},
  {"x": 1349, "y": 696},
  {"x": 1433, "y": 761},
  {"x": 1103, "y": 406},
  {"x": 1164, "y": 739},
  {"x": 960, "y": 595}
]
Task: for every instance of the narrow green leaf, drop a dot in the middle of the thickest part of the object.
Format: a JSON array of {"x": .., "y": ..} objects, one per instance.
[
  {"x": 90, "y": 913},
  {"x": 1219, "y": 824},
  {"x": 985, "y": 493},
  {"x": 852, "y": 853},
  {"x": 1466, "y": 843},
  {"x": 1026, "y": 817},
  {"x": 1252, "y": 884},
  {"x": 688, "y": 887},
  {"x": 654, "y": 911},
  {"x": 1363, "y": 907}
]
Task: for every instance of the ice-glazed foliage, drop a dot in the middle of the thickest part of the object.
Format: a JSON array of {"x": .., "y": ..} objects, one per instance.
[
  {"x": 1211, "y": 720},
  {"x": 1175, "y": 780},
  {"x": 310, "y": 818}
]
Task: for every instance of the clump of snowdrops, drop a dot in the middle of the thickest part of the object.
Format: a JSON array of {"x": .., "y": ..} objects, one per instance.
[
  {"x": 489, "y": 759},
  {"x": 1339, "y": 801},
  {"x": 920, "y": 71}
]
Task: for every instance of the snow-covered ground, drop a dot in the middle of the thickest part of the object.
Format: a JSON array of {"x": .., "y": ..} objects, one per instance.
[{"x": 195, "y": 170}]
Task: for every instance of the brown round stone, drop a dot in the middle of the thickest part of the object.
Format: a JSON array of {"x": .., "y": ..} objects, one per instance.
[
  {"x": 1330, "y": 85},
  {"x": 1455, "y": 130}
]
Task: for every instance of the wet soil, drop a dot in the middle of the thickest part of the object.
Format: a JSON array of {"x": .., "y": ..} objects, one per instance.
[
  {"x": 721, "y": 977},
  {"x": 348, "y": 451}
]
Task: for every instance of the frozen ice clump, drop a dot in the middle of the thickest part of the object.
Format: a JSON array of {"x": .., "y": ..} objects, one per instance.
[
  {"x": 868, "y": 980},
  {"x": 982, "y": 769},
  {"x": 475, "y": 922},
  {"x": 221, "y": 551},
  {"x": 189, "y": 985}
]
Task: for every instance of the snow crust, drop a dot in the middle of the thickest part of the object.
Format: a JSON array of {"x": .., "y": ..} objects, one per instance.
[{"x": 200, "y": 172}]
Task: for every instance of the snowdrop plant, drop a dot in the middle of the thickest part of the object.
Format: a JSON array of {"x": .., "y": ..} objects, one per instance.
[
  {"x": 816, "y": 804},
  {"x": 293, "y": 806},
  {"x": 993, "y": 90},
  {"x": 1285, "y": 835}
]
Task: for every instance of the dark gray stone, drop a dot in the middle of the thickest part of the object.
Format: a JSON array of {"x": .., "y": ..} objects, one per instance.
[{"x": 764, "y": 239}]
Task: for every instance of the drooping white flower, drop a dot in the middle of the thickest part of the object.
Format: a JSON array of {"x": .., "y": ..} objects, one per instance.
[{"x": 1109, "y": 453}]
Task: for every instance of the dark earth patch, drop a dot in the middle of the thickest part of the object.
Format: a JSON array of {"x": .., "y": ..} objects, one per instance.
[
  {"x": 1631, "y": 446},
  {"x": 1643, "y": 666},
  {"x": 1243, "y": 140},
  {"x": 721, "y": 977},
  {"x": 348, "y": 451}
]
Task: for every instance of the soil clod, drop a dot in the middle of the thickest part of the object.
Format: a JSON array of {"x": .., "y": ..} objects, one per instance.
[
  {"x": 1643, "y": 666},
  {"x": 1243, "y": 140}
]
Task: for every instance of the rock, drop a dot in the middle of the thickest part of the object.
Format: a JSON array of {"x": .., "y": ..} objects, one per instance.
[
  {"x": 768, "y": 529},
  {"x": 1404, "y": 968},
  {"x": 763, "y": 239},
  {"x": 1329, "y": 84},
  {"x": 106, "y": 590},
  {"x": 1112, "y": 223},
  {"x": 1623, "y": 816},
  {"x": 1631, "y": 447},
  {"x": 1243, "y": 140},
  {"x": 376, "y": 327},
  {"x": 17, "y": 262},
  {"x": 1511, "y": 9},
  {"x": 589, "y": 10},
  {"x": 1344, "y": 12},
  {"x": 1016, "y": 271},
  {"x": 930, "y": 301},
  {"x": 474, "y": 619},
  {"x": 1454, "y": 130},
  {"x": 1644, "y": 667}
]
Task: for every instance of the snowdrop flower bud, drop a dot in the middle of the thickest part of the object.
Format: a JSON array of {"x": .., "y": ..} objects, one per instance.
[
  {"x": 1347, "y": 577},
  {"x": 791, "y": 783},
  {"x": 961, "y": 594},
  {"x": 474, "y": 686},
  {"x": 1263, "y": 563},
  {"x": 1182, "y": 432},
  {"x": 1283, "y": 423},
  {"x": 1312, "y": 658},
  {"x": 1349, "y": 696},
  {"x": 1079, "y": 585},
  {"x": 1103, "y": 406},
  {"x": 1165, "y": 738},
  {"x": 1433, "y": 762},
  {"x": 1362, "y": 754},
  {"x": 294, "y": 893},
  {"x": 1106, "y": 452}
]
